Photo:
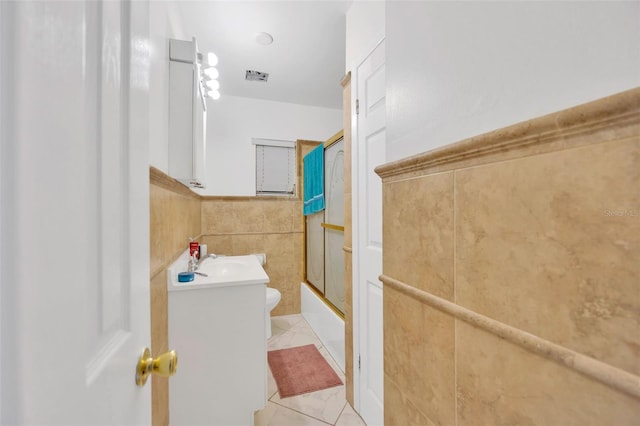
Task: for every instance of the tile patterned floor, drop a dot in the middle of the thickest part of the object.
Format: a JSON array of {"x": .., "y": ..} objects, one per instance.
[{"x": 319, "y": 408}]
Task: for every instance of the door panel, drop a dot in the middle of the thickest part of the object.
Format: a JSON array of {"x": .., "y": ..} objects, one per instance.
[
  {"x": 374, "y": 342},
  {"x": 368, "y": 153},
  {"x": 76, "y": 196}
]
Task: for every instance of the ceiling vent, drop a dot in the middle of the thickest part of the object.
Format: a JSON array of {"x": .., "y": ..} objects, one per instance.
[{"x": 256, "y": 76}]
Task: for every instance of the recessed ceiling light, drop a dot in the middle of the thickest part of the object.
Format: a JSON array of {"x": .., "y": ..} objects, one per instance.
[{"x": 264, "y": 39}]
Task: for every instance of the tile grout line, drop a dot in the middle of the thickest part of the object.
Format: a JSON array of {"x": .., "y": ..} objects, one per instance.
[
  {"x": 302, "y": 323},
  {"x": 341, "y": 411},
  {"x": 304, "y": 414}
]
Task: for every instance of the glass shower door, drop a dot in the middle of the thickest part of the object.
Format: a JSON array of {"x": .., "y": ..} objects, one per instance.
[
  {"x": 334, "y": 224},
  {"x": 315, "y": 250}
]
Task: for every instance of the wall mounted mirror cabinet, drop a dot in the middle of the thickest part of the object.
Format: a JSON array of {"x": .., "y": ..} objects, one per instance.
[{"x": 187, "y": 114}]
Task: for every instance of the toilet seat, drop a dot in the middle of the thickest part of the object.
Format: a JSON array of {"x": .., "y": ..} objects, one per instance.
[{"x": 273, "y": 297}]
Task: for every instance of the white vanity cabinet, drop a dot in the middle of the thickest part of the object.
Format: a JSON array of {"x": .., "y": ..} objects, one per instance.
[
  {"x": 217, "y": 327},
  {"x": 187, "y": 114}
]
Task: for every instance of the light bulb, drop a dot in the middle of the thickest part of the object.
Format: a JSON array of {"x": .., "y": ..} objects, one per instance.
[
  {"x": 213, "y": 94},
  {"x": 212, "y": 84},
  {"x": 212, "y": 59},
  {"x": 212, "y": 73}
]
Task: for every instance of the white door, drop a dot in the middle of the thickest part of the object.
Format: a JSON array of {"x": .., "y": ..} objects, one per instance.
[
  {"x": 75, "y": 220},
  {"x": 368, "y": 153}
]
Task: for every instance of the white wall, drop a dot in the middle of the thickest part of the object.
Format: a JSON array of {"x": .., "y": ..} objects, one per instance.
[
  {"x": 164, "y": 23},
  {"x": 365, "y": 28},
  {"x": 233, "y": 121},
  {"x": 458, "y": 69}
]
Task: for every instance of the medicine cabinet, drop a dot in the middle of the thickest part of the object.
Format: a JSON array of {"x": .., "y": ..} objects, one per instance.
[{"x": 187, "y": 114}]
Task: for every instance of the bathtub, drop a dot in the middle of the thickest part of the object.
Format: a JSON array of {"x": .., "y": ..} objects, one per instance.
[{"x": 327, "y": 325}]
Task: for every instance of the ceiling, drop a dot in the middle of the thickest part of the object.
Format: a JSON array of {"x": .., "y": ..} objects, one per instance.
[{"x": 305, "y": 62}]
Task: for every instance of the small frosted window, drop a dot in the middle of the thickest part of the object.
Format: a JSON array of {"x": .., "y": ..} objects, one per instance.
[{"x": 275, "y": 167}]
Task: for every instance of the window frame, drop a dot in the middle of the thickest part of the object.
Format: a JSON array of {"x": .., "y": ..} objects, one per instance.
[{"x": 261, "y": 143}]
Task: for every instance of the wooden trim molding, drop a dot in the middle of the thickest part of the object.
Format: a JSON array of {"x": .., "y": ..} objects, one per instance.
[
  {"x": 346, "y": 79},
  {"x": 617, "y": 378},
  {"x": 159, "y": 178},
  {"x": 225, "y": 234},
  {"x": 347, "y": 249},
  {"x": 333, "y": 139},
  {"x": 292, "y": 198},
  {"x": 568, "y": 128}
]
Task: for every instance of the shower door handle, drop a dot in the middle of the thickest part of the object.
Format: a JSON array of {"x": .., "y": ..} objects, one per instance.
[{"x": 334, "y": 227}]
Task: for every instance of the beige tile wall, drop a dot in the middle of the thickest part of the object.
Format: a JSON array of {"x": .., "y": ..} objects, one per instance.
[
  {"x": 270, "y": 225},
  {"x": 174, "y": 217},
  {"x": 238, "y": 226},
  {"x": 519, "y": 299}
]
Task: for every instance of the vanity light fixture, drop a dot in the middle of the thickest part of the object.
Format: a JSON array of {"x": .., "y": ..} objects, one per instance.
[
  {"x": 212, "y": 59},
  {"x": 212, "y": 84},
  {"x": 212, "y": 73},
  {"x": 209, "y": 75}
]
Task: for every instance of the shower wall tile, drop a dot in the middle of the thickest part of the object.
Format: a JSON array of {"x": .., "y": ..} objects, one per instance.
[
  {"x": 279, "y": 217},
  {"x": 174, "y": 213},
  {"x": 530, "y": 233},
  {"x": 235, "y": 215},
  {"x": 283, "y": 260},
  {"x": 399, "y": 409},
  {"x": 218, "y": 244},
  {"x": 552, "y": 216},
  {"x": 500, "y": 383},
  {"x": 174, "y": 217},
  {"x": 418, "y": 233},
  {"x": 242, "y": 225},
  {"x": 419, "y": 355}
]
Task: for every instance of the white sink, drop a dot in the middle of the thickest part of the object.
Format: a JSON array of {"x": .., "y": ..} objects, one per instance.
[{"x": 221, "y": 271}]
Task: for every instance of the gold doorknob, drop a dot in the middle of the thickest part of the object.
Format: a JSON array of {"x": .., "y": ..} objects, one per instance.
[{"x": 164, "y": 365}]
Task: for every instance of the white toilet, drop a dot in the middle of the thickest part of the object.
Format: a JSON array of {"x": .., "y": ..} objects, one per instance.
[{"x": 273, "y": 298}]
